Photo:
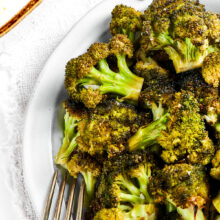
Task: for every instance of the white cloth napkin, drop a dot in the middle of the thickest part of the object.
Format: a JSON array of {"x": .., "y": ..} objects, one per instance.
[{"x": 23, "y": 53}]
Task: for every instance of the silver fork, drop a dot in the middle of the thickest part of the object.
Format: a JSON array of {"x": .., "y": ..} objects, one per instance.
[{"x": 60, "y": 199}]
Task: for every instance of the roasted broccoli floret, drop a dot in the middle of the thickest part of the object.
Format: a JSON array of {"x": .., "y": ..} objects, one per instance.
[
  {"x": 216, "y": 202},
  {"x": 72, "y": 118},
  {"x": 138, "y": 212},
  {"x": 90, "y": 80},
  {"x": 125, "y": 180},
  {"x": 88, "y": 167},
  {"x": 185, "y": 136},
  {"x": 215, "y": 171},
  {"x": 108, "y": 127},
  {"x": 150, "y": 70},
  {"x": 185, "y": 186},
  {"x": 181, "y": 28},
  {"x": 125, "y": 20},
  {"x": 157, "y": 96},
  {"x": 211, "y": 69}
]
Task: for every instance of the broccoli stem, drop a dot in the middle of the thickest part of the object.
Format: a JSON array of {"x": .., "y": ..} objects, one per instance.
[
  {"x": 147, "y": 135},
  {"x": 157, "y": 110},
  {"x": 90, "y": 182},
  {"x": 124, "y": 182},
  {"x": 191, "y": 214},
  {"x": 143, "y": 181},
  {"x": 123, "y": 83},
  {"x": 69, "y": 141},
  {"x": 185, "y": 55},
  {"x": 131, "y": 35},
  {"x": 125, "y": 197}
]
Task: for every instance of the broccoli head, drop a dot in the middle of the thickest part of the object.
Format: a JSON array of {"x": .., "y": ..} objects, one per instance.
[
  {"x": 185, "y": 136},
  {"x": 125, "y": 180},
  {"x": 183, "y": 185},
  {"x": 125, "y": 20},
  {"x": 89, "y": 168},
  {"x": 150, "y": 70},
  {"x": 211, "y": 69},
  {"x": 109, "y": 126},
  {"x": 73, "y": 117},
  {"x": 215, "y": 171},
  {"x": 181, "y": 28},
  {"x": 138, "y": 212},
  {"x": 90, "y": 80}
]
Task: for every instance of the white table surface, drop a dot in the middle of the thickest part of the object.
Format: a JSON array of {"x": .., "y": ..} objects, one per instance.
[{"x": 23, "y": 52}]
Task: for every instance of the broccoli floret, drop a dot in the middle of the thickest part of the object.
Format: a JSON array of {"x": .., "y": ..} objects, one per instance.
[
  {"x": 215, "y": 171},
  {"x": 181, "y": 28},
  {"x": 138, "y": 212},
  {"x": 125, "y": 179},
  {"x": 185, "y": 186},
  {"x": 185, "y": 136},
  {"x": 211, "y": 69},
  {"x": 88, "y": 167},
  {"x": 125, "y": 20},
  {"x": 216, "y": 202},
  {"x": 147, "y": 135},
  {"x": 108, "y": 127},
  {"x": 150, "y": 70},
  {"x": 90, "y": 80},
  {"x": 72, "y": 118}
]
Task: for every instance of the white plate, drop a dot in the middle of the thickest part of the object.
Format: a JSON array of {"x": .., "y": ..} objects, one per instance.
[{"x": 41, "y": 135}]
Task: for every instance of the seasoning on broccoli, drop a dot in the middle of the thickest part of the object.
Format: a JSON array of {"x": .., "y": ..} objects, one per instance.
[
  {"x": 125, "y": 20},
  {"x": 181, "y": 28},
  {"x": 90, "y": 80}
]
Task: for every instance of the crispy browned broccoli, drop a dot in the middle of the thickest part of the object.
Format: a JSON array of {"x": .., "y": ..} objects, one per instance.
[
  {"x": 185, "y": 186},
  {"x": 90, "y": 80},
  {"x": 211, "y": 69},
  {"x": 181, "y": 28},
  {"x": 109, "y": 126},
  {"x": 185, "y": 136},
  {"x": 125, "y": 20}
]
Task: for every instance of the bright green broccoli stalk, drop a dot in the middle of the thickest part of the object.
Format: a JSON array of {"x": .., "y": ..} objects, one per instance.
[
  {"x": 72, "y": 117},
  {"x": 125, "y": 20},
  {"x": 147, "y": 135},
  {"x": 89, "y": 79}
]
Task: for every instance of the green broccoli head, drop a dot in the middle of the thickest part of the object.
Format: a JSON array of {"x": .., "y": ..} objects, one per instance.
[
  {"x": 125, "y": 20},
  {"x": 181, "y": 28},
  {"x": 183, "y": 185},
  {"x": 185, "y": 136},
  {"x": 122, "y": 184},
  {"x": 108, "y": 127},
  {"x": 211, "y": 69},
  {"x": 157, "y": 95},
  {"x": 215, "y": 171},
  {"x": 90, "y": 80},
  {"x": 88, "y": 167},
  {"x": 138, "y": 212},
  {"x": 73, "y": 117}
]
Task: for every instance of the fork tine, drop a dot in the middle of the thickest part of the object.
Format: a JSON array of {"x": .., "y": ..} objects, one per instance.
[
  {"x": 60, "y": 199},
  {"x": 70, "y": 201},
  {"x": 49, "y": 198},
  {"x": 80, "y": 202}
]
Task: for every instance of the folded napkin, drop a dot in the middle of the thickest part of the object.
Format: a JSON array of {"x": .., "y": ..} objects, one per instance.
[{"x": 23, "y": 53}]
